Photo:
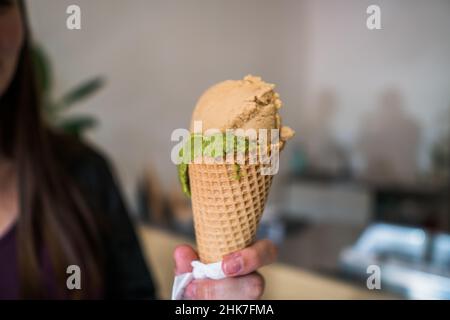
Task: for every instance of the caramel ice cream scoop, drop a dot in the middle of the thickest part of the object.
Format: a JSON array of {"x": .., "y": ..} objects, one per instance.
[{"x": 249, "y": 103}]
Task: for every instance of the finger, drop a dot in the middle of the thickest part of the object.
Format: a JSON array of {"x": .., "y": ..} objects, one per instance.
[
  {"x": 183, "y": 256},
  {"x": 249, "y": 287},
  {"x": 247, "y": 260}
]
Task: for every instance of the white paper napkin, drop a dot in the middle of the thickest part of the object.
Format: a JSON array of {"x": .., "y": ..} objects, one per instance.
[{"x": 199, "y": 271}]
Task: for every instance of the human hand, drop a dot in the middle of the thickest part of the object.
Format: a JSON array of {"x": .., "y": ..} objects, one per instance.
[{"x": 242, "y": 282}]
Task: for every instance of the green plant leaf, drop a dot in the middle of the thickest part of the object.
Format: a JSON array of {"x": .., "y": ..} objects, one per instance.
[
  {"x": 53, "y": 110},
  {"x": 81, "y": 92},
  {"x": 43, "y": 70},
  {"x": 50, "y": 113},
  {"x": 77, "y": 125}
]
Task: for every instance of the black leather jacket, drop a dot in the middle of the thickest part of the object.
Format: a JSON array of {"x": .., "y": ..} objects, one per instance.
[{"x": 126, "y": 275}]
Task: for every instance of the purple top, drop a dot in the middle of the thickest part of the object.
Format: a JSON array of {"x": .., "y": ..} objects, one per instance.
[{"x": 9, "y": 269}]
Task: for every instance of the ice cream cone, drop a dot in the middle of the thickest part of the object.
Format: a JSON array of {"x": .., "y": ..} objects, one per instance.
[
  {"x": 228, "y": 206},
  {"x": 227, "y": 209}
]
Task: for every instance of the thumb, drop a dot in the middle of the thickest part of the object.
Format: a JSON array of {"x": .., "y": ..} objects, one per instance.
[{"x": 183, "y": 256}]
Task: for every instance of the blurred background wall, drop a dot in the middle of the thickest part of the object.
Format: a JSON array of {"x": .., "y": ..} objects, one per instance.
[{"x": 333, "y": 74}]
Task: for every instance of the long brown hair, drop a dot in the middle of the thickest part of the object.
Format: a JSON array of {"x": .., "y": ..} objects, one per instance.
[{"x": 52, "y": 213}]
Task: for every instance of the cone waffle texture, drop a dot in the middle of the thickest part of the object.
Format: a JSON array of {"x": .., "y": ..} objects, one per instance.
[{"x": 226, "y": 210}]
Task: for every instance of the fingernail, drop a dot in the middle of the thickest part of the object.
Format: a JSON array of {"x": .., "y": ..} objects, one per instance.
[
  {"x": 232, "y": 264},
  {"x": 190, "y": 291}
]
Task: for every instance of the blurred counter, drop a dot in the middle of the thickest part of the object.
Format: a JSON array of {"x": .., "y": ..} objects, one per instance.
[{"x": 282, "y": 282}]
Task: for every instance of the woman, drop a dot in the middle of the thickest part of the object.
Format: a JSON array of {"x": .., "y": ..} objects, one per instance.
[{"x": 60, "y": 205}]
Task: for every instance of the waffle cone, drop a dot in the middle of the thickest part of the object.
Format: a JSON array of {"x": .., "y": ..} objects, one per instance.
[{"x": 226, "y": 210}]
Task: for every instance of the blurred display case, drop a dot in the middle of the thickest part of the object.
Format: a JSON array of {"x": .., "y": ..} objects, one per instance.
[{"x": 413, "y": 263}]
